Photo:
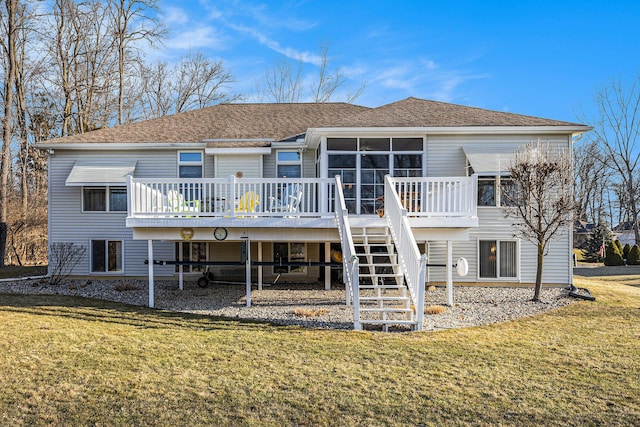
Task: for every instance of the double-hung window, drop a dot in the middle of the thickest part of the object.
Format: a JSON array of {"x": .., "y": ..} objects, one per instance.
[
  {"x": 106, "y": 256},
  {"x": 498, "y": 259},
  {"x": 288, "y": 164},
  {"x": 496, "y": 191},
  {"x": 190, "y": 164},
  {"x": 104, "y": 199}
]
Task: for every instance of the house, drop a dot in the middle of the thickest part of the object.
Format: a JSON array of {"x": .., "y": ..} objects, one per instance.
[
  {"x": 624, "y": 233},
  {"x": 258, "y": 192}
]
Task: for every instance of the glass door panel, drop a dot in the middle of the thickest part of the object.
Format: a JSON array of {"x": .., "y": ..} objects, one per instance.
[{"x": 373, "y": 168}]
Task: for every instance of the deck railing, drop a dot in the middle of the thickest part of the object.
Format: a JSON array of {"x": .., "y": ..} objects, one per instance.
[
  {"x": 230, "y": 197},
  {"x": 437, "y": 197},
  {"x": 349, "y": 258},
  {"x": 413, "y": 263}
]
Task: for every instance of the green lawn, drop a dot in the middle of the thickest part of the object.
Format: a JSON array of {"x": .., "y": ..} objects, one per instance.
[{"x": 69, "y": 361}]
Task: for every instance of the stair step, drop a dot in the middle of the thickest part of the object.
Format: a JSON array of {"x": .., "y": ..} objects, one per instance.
[
  {"x": 378, "y": 264},
  {"x": 388, "y": 322},
  {"x": 384, "y": 298},
  {"x": 396, "y": 286},
  {"x": 386, "y": 310},
  {"x": 383, "y": 275}
]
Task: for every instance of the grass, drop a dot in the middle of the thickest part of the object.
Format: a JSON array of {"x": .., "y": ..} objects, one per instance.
[{"x": 69, "y": 361}]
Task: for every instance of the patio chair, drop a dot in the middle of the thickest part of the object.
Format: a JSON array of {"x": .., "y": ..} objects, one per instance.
[
  {"x": 177, "y": 203},
  {"x": 248, "y": 202},
  {"x": 290, "y": 200}
]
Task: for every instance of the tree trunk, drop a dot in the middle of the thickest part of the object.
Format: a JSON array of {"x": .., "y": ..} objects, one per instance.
[
  {"x": 5, "y": 159},
  {"x": 538, "y": 285}
]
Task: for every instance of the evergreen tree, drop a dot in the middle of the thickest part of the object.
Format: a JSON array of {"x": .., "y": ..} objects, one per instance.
[
  {"x": 618, "y": 244},
  {"x": 625, "y": 251},
  {"x": 613, "y": 256},
  {"x": 634, "y": 256},
  {"x": 599, "y": 236}
]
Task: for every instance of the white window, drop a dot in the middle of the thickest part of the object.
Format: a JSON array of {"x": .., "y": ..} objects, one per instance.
[
  {"x": 104, "y": 199},
  {"x": 362, "y": 164},
  {"x": 498, "y": 259},
  {"x": 289, "y": 252},
  {"x": 190, "y": 164},
  {"x": 492, "y": 191},
  {"x": 191, "y": 251},
  {"x": 106, "y": 256},
  {"x": 288, "y": 164}
]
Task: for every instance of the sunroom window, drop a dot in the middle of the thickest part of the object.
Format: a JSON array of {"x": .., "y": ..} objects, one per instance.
[{"x": 362, "y": 164}]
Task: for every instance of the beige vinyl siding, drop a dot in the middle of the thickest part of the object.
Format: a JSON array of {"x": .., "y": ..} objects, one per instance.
[{"x": 249, "y": 164}]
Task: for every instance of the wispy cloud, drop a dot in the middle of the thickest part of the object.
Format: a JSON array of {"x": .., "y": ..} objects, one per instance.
[
  {"x": 200, "y": 37},
  {"x": 424, "y": 78},
  {"x": 289, "y": 52},
  {"x": 174, "y": 15}
]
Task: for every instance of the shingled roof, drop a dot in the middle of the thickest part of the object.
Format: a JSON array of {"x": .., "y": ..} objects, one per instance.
[
  {"x": 282, "y": 121},
  {"x": 415, "y": 112}
]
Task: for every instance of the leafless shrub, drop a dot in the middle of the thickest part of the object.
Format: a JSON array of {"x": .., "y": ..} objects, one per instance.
[
  {"x": 125, "y": 286},
  {"x": 310, "y": 312},
  {"x": 64, "y": 257},
  {"x": 435, "y": 309}
]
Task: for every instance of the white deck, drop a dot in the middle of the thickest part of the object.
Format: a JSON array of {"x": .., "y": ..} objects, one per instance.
[{"x": 446, "y": 203}]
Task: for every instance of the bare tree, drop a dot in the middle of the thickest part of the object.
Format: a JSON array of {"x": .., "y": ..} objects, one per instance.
[
  {"x": 328, "y": 82},
  {"x": 285, "y": 82},
  {"x": 194, "y": 82},
  {"x": 541, "y": 202},
  {"x": 132, "y": 23},
  {"x": 9, "y": 62},
  {"x": 591, "y": 182},
  {"x": 617, "y": 128}
]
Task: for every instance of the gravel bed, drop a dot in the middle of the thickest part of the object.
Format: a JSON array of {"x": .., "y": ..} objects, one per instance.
[{"x": 283, "y": 303}]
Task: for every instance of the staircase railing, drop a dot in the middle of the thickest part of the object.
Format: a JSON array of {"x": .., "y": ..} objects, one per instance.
[
  {"x": 349, "y": 257},
  {"x": 413, "y": 263}
]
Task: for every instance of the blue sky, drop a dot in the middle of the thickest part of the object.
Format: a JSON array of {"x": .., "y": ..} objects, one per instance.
[{"x": 541, "y": 58}]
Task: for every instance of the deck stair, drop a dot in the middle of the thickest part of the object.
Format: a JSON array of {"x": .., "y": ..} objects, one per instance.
[{"x": 383, "y": 296}]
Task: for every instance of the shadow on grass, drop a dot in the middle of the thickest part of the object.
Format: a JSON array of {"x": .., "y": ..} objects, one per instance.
[{"x": 94, "y": 310}]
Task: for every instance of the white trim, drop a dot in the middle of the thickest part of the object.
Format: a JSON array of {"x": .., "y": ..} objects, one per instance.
[
  {"x": 239, "y": 150},
  {"x": 190, "y": 162},
  {"x": 498, "y": 278},
  {"x": 106, "y": 266},
  {"x": 107, "y": 203},
  {"x": 298, "y": 162},
  {"x": 100, "y": 173}
]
